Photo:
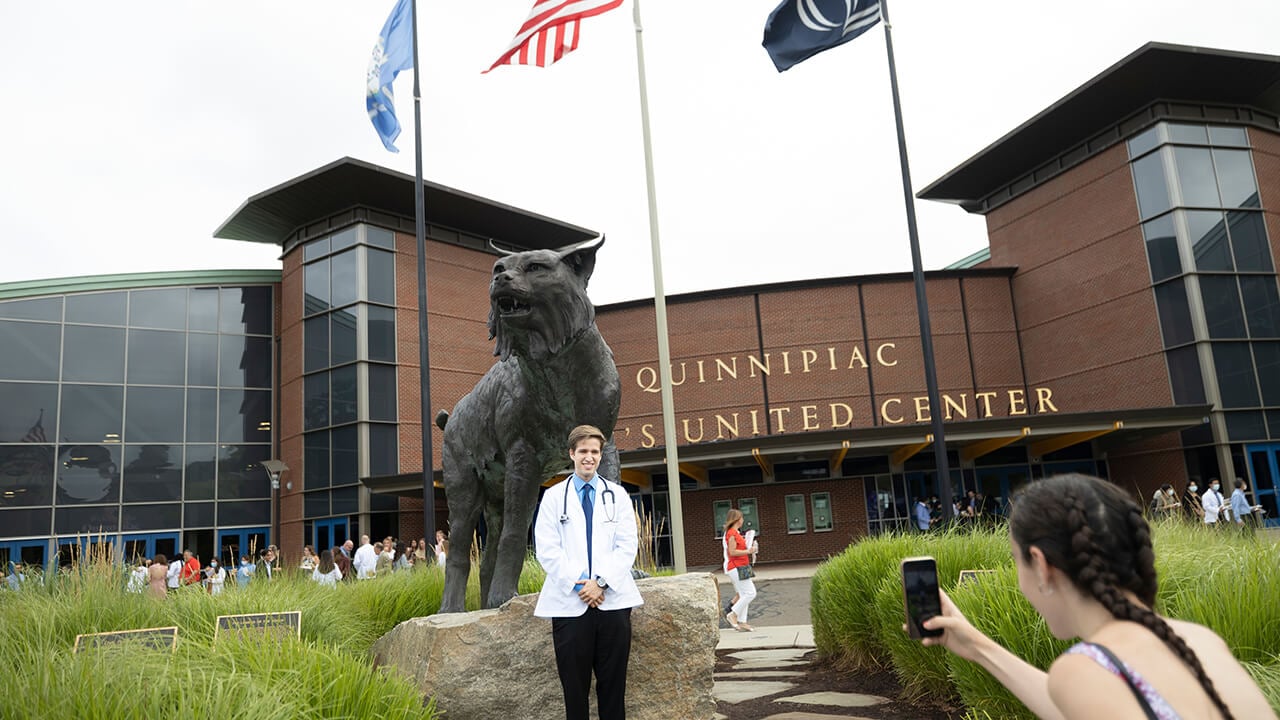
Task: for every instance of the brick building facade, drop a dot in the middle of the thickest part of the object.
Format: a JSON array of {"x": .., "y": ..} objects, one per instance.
[{"x": 1125, "y": 322}]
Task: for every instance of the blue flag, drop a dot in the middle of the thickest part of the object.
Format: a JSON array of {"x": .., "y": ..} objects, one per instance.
[
  {"x": 392, "y": 53},
  {"x": 799, "y": 29}
]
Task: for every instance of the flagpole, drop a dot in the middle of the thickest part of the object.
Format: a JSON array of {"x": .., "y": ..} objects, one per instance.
[
  {"x": 424, "y": 354},
  {"x": 922, "y": 301},
  {"x": 660, "y": 313}
]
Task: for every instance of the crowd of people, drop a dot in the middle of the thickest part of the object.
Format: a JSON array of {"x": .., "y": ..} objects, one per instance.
[
  {"x": 160, "y": 577},
  {"x": 1209, "y": 506},
  {"x": 971, "y": 508}
]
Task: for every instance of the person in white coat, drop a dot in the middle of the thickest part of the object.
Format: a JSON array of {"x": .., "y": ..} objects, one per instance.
[
  {"x": 1212, "y": 502},
  {"x": 366, "y": 560},
  {"x": 585, "y": 538}
]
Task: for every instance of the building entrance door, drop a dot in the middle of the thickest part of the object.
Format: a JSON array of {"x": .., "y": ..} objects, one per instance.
[
  {"x": 240, "y": 541},
  {"x": 149, "y": 545},
  {"x": 997, "y": 484},
  {"x": 1264, "y": 470},
  {"x": 30, "y": 554},
  {"x": 328, "y": 534}
]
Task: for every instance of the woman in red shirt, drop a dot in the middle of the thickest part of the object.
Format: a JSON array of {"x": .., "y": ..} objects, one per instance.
[{"x": 736, "y": 555}]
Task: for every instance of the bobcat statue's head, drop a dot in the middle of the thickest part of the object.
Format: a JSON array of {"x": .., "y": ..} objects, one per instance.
[{"x": 538, "y": 300}]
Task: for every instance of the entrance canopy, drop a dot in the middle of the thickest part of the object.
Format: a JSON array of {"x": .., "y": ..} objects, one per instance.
[{"x": 1040, "y": 434}]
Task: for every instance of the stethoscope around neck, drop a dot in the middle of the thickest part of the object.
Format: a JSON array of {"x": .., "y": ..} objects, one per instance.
[{"x": 607, "y": 499}]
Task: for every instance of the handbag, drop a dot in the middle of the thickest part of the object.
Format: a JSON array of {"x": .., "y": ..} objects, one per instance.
[{"x": 746, "y": 572}]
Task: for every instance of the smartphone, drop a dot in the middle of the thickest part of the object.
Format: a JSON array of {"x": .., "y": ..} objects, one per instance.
[{"x": 920, "y": 598}]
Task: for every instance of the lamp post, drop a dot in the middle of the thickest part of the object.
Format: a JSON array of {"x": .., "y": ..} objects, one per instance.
[{"x": 274, "y": 469}]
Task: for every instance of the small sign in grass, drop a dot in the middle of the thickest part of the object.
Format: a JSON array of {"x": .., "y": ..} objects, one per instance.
[
  {"x": 279, "y": 624},
  {"x": 157, "y": 638},
  {"x": 974, "y": 575}
]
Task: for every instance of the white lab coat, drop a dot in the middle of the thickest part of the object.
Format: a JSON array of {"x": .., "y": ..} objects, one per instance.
[
  {"x": 1212, "y": 502},
  {"x": 365, "y": 562},
  {"x": 561, "y": 549}
]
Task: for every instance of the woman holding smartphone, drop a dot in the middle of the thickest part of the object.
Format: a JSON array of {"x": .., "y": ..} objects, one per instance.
[
  {"x": 1085, "y": 563},
  {"x": 737, "y": 556}
]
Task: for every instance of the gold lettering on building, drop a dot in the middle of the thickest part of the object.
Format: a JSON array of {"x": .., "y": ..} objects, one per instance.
[
  {"x": 730, "y": 370},
  {"x": 810, "y": 415},
  {"x": 808, "y": 357},
  {"x": 777, "y": 413},
  {"x": 729, "y": 367},
  {"x": 922, "y": 409},
  {"x": 985, "y": 397},
  {"x": 1017, "y": 402},
  {"x": 856, "y": 356},
  {"x": 884, "y": 411},
  {"x": 689, "y": 437},
  {"x": 722, "y": 425},
  {"x": 1044, "y": 398},
  {"x": 842, "y": 415},
  {"x": 880, "y": 354},
  {"x": 674, "y": 381}
]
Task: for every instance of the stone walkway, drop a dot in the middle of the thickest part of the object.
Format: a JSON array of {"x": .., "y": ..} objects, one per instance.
[{"x": 769, "y": 662}]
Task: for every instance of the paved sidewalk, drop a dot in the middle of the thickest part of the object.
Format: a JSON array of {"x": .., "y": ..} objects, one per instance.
[{"x": 771, "y": 659}]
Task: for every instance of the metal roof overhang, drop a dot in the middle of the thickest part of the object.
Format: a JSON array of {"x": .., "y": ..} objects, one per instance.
[
  {"x": 1156, "y": 71},
  {"x": 1115, "y": 428},
  {"x": 273, "y": 215}
]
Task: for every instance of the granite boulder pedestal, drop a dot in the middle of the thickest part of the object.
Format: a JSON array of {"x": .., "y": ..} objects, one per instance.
[{"x": 501, "y": 664}]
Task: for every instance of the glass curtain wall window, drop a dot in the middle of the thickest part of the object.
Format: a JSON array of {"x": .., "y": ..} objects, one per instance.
[
  {"x": 135, "y": 410},
  {"x": 1210, "y": 260},
  {"x": 349, "y": 354}
]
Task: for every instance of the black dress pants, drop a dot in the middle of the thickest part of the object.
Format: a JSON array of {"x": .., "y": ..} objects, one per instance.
[{"x": 599, "y": 641}]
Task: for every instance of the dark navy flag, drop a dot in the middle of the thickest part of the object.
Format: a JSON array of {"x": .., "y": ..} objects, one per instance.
[
  {"x": 799, "y": 29},
  {"x": 392, "y": 53}
]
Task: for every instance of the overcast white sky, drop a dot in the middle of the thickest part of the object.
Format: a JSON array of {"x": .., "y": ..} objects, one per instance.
[{"x": 132, "y": 130}]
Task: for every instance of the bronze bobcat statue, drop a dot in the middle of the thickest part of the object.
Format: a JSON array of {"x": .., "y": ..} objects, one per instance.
[{"x": 508, "y": 434}]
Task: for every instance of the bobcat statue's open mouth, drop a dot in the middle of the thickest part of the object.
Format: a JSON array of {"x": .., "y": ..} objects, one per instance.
[{"x": 511, "y": 306}]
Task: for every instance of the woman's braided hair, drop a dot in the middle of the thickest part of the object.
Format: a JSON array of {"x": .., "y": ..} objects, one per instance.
[{"x": 1097, "y": 535}]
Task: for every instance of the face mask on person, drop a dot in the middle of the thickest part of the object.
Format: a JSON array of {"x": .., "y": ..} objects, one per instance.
[
  {"x": 1191, "y": 488},
  {"x": 244, "y": 562},
  {"x": 1213, "y": 486},
  {"x": 213, "y": 565}
]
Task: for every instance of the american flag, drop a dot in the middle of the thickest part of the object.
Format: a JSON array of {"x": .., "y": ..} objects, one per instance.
[
  {"x": 551, "y": 31},
  {"x": 36, "y": 433}
]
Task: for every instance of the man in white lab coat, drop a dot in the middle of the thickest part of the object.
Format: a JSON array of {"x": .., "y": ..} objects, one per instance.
[
  {"x": 585, "y": 537},
  {"x": 1212, "y": 502},
  {"x": 366, "y": 561}
]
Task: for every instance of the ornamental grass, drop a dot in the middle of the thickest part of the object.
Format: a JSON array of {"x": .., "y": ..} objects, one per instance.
[
  {"x": 326, "y": 674},
  {"x": 1228, "y": 581}
]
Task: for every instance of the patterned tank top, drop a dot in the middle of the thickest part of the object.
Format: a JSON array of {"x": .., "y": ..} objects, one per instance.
[{"x": 1158, "y": 704}]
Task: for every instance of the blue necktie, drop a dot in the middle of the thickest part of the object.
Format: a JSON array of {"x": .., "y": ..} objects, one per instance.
[{"x": 587, "y": 507}]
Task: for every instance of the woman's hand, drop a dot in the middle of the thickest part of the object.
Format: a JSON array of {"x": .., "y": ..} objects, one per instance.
[{"x": 959, "y": 636}]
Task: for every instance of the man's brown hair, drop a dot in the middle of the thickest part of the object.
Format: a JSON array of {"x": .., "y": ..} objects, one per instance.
[{"x": 584, "y": 432}]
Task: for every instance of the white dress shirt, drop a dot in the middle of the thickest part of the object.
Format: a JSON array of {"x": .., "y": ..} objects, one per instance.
[{"x": 561, "y": 548}]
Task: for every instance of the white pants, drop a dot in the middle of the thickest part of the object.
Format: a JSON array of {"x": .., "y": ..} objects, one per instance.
[{"x": 746, "y": 590}]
